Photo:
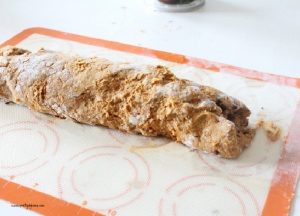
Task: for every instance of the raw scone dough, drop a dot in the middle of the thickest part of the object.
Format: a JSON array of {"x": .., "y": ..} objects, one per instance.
[{"x": 143, "y": 99}]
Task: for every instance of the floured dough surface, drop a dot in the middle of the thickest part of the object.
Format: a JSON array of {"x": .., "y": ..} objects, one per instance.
[{"x": 143, "y": 99}]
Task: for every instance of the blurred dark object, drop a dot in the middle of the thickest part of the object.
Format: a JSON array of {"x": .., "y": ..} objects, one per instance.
[
  {"x": 175, "y": 5},
  {"x": 176, "y": 1}
]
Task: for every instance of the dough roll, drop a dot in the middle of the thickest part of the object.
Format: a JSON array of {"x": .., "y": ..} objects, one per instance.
[{"x": 141, "y": 99}]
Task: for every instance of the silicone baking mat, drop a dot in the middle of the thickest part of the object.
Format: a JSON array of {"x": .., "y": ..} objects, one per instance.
[{"x": 58, "y": 167}]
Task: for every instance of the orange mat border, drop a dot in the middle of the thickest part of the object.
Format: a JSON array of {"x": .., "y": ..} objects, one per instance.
[{"x": 283, "y": 185}]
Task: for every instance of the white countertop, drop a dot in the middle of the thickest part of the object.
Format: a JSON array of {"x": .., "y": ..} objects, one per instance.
[{"x": 255, "y": 34}]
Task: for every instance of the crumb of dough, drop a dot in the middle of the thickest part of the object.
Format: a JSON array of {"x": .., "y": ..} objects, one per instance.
[{"x": 272, "y": 130}]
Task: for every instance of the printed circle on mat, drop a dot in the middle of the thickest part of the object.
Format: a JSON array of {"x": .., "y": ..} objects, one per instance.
[
  {"x": 260, "y": 156},
  {"x": 207, "y": 195},
  {"x": 105, "y": 177},
  {"x": 26, "y": 146},
  {"x": 135, "y": 139}
]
